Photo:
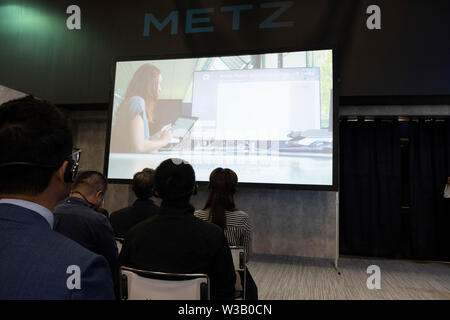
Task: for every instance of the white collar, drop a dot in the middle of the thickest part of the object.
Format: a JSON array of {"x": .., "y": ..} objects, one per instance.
[{"x": 43, "y": 211}]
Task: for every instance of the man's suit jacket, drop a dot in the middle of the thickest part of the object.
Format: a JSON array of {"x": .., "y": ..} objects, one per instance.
[
  {"x": 34, "y": 261},
  {"x": 89, "y": 228},
  {"x": 124, "y": 219}
]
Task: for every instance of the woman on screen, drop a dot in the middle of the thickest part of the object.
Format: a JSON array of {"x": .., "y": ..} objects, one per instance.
[
  {"x": 130, "y": 132},
  {"x": 221, "y": 210}
]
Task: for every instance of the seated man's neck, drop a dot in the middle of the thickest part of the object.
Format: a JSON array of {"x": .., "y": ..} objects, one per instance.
[{"x": 79, "y": 194}]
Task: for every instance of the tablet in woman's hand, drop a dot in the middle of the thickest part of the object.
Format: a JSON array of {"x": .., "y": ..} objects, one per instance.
[{"x": 182, "y": 126}]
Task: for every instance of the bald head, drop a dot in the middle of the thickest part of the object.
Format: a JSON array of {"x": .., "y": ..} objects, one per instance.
[
  {"x": 90, "y": 182},
  {"x": 92, "y": 185}
]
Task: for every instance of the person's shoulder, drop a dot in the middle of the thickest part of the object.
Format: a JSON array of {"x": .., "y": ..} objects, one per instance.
[
  {"x": 69, "y": 208},
  {"x": 84, "y": 218},
  {"x": 136, "y": 105},
  {"x": 61, "y": 208},
  {"x": 94, "y": 268},
  {"x": 237, "y": 216},
  {"x": 63, "y": 249},
  {"x": 46, "y": 259},
  {"x": 240, "y": 213},
  {"x": 212, "y": 234},
  {"x": 207, "y": 228},
  {"x": 202, "y": 214},
  {"x": 79, "y": 212},
  {"x": 63, "y": 243},
  {"x": 70, "y": 250},
  {"x": 119, "y": 212},
  {"x": 98, "y": 218},
  {"x": 68, "y": 213},
  {"x": 141, "y": 227},
  {"x": 201, "y": 219},
  {"x": 137, "y": 100},
  {"x": 143, "y": 205}
]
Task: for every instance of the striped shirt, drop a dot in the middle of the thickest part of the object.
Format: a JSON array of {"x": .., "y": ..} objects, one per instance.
[{"x": 238, "y": 229}]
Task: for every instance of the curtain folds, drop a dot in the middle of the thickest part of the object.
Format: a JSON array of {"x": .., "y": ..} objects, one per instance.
[
  {"x": 429, "y": 169},
  {"x": 370, "y": 193},
  {"x": 373, "y": 189}
]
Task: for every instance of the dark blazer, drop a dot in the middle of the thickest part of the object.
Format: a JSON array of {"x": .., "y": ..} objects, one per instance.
[
  {"x": 124, "y": 219},
  {"x": 176, "y": 241},
  {"x": 91, "y": 229},
  {"x": 34, "y": 261}
]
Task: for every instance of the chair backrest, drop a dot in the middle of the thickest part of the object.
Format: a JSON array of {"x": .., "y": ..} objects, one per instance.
[
  {"x": 239, "y": 261},
  {"x": 148, "y": 285},
  {"x": 119, "y": 242}
]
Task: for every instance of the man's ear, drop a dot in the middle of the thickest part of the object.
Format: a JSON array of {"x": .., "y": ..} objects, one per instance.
[
  {"x": 60, "y": 173},
  {"x": 100, "y": 194}
]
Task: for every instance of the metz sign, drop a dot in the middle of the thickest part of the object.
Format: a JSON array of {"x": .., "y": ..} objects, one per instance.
[{"x": 196, "y": 16}]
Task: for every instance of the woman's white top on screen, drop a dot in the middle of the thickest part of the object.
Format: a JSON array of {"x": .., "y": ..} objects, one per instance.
[{"x": 121, "y": 131}]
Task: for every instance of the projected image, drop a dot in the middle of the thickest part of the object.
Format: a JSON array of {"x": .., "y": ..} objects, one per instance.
[{"x": 268, "y": 117}]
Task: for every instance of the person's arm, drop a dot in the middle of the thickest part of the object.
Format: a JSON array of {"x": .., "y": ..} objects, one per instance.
[
  {"x": 247, "y": 238},
  {"x": 106, "y": 242},
  {"x": 138, "y": 141},
  {"x": 124, "y": 259}
]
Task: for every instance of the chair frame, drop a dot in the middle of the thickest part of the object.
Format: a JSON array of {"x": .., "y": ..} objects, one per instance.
[
  {"x": 204, "y": 287},
  {"x": 119, "y": 240},
  {"x": 242, "y": 266}
]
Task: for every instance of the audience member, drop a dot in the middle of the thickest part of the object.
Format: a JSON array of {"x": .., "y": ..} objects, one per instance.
[
  {"x": 221, "y": 210},
  {"x": 143, "y": 208},
  {"x": 37, "y": 165},
  {"x": 78, "y": 219},
  {"x": 177, "y": 242}
]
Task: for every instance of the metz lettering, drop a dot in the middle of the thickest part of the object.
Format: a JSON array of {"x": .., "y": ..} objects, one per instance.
[{"x": 195, "y": 17}]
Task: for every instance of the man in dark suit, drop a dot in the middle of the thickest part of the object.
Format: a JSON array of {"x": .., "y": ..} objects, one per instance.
[
  {"x": 143, "y": 208},
  {"x": 78, "y": 218},
  {"x": 37, "y": 165},
  {"x": 174, "y": 240}
]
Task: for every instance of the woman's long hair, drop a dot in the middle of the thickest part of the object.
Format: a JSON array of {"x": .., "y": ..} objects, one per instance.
[
  {"x": 222, "y": 187},
  {"x": 145, "y": 84}
]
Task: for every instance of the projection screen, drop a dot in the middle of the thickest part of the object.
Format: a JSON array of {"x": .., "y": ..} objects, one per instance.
[{"x": 269, "y": 117}]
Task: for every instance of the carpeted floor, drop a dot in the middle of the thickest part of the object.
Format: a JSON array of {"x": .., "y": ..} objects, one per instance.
[{"x": 293, "y": 278}]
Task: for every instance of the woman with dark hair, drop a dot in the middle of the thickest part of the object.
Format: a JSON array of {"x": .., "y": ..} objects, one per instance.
[
  {"x": 130, "y": 132},
  {"x": 221, "y": 210}
]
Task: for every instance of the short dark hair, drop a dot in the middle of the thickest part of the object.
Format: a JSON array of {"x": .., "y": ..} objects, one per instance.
[
  {"x": 143, "y": 183},
  {"x": 175, "y": 180},
  {"x": 35, "y": 132},
  {"x": 93, "y": 181}
]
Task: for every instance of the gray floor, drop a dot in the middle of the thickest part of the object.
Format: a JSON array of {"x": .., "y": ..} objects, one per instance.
[{"x": 293, "y": 278}]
